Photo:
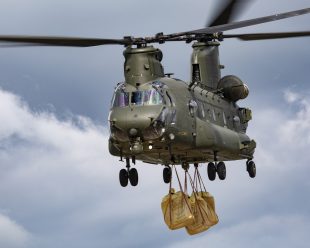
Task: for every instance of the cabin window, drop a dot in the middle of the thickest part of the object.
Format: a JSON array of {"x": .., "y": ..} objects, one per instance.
[
  {"x": 213, "y": 115},
  {"x": 201, "y": 112},
  {"x": 192, "y": 107},
  {"x": 224, "y": 119}
]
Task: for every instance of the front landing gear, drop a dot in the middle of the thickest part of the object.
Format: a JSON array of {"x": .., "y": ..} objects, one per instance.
[
  {"x": 123, "y": 177},
  {"x": 211, "y": 171},
  {"x": 167, "y": 173},
  {"x": 128, "y": 174},
  {"x": 251, "y": 168},
  {"x": 133, "y": 177}
]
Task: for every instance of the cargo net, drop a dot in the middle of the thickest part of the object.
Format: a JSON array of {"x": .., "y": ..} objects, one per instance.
[{"x": 195, "y": 212}]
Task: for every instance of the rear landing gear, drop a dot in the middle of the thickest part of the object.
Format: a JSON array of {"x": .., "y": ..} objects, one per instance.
[
  {"x": 219, "y": 169},
  {"x": 216, "y": 167},
  {"x": 251, "y": 168},
  {"x": 128, "y": 174}
]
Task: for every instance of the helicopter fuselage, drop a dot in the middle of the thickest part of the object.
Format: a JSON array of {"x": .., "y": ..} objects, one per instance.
[{"x": 165, "y": 121}]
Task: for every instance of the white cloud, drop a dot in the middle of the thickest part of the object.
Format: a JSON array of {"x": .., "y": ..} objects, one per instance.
[
  {"x": 282, "y": 231},
  {"x": 12, "y": 235},
  {"x": 296, "y": 131},
  {"x": 291, "y": 96},
  {"x": 59, "y": 180}
]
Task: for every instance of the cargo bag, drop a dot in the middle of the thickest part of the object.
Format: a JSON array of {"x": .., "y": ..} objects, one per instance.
[
  {"x": 203, "y": 207},
  {"x": 176, "y": 208},
  {"x": 211, "y": 204}
]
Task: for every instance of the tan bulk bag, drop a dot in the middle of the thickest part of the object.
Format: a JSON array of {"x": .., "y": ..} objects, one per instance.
[
  {"x": 203, "y": 206},
  {"x": 201, "y": 213},
  {"x": 177, "y": 210},
  {"x": 208, "y": 198},
  {"x": 211, "y": 205}
]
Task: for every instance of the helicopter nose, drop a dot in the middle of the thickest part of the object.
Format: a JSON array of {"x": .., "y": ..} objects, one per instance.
[
  {"x": 133, "y": 132},
  {"x": 133, "y": 121}
]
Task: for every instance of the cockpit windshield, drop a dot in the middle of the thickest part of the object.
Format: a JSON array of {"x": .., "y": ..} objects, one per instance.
[
  {"x": 137, "y": 98},
  {"x": 147, "y": 97}
]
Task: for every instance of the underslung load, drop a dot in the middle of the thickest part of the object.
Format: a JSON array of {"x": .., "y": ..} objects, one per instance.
[{"x": 196, "y": 212}]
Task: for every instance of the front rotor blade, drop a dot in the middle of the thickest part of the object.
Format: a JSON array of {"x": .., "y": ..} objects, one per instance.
[
  {"x": 61, "y": 41},
  {"x": 267, "y": 36},
  {"x": 241, "y": 24},
  {"x": 229, "y": 12}
]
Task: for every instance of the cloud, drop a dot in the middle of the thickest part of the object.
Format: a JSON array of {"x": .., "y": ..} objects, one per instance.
[
  {"x": 283, "y": 231},
  {"x": 12, "y": 235},
  {"x": 290, "y": 96},
  {"x": 297, "y": 131},
  {"x": 59, "y": 180},
  {"x": 46, "y": 163}
]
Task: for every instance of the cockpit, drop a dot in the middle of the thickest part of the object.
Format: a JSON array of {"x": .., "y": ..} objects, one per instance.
[
  {"x": 137, "y": 98},
  {"x": 140, "y": 115}
]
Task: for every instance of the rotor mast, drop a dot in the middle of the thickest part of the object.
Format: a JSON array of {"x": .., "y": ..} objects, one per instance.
[
  {"x": 205, "y": 62},
  {"x": 142, "y": 65}
]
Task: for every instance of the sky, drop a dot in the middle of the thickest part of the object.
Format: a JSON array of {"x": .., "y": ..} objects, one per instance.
[{"x": 59, "y": 185}]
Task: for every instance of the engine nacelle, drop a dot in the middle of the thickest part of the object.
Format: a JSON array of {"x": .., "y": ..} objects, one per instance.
[{"x": 233, "y": 88}]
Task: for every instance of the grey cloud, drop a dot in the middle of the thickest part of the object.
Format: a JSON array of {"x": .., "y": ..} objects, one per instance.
[{"x": 12, "y": 235}]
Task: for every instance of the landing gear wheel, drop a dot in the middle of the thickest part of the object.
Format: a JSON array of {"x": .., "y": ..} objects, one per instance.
[
  {"x": 221, "y": 170},
  {"x": 251, "y": 168},
  {"x": 123, "y": 177},
  {"x": 133, "y": 177},
  {"x": 211, "y": 171},
  {"x": 167, "y": 173}
]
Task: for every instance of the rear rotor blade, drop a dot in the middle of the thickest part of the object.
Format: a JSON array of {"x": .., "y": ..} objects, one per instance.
[
  {"x": 61, "y": 41},
  {"x": 229, "y": 12},
  {"x": 241, "y": 24},
  {"x": 267, "y": 36}
]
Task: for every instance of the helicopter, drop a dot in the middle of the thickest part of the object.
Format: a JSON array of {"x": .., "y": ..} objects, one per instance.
[{"x": 159, "y": 119}]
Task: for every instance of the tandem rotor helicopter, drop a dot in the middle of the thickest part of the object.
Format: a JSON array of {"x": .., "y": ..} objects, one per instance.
[{"x": 158, "y": 119}]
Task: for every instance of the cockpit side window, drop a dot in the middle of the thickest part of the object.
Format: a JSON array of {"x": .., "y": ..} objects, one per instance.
[
  {"x": 121, "y": 99},
  {"x": 192, "y": 107}
]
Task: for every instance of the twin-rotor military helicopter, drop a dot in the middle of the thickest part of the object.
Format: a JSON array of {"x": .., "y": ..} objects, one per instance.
[{"x": 159, "y": 119}]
